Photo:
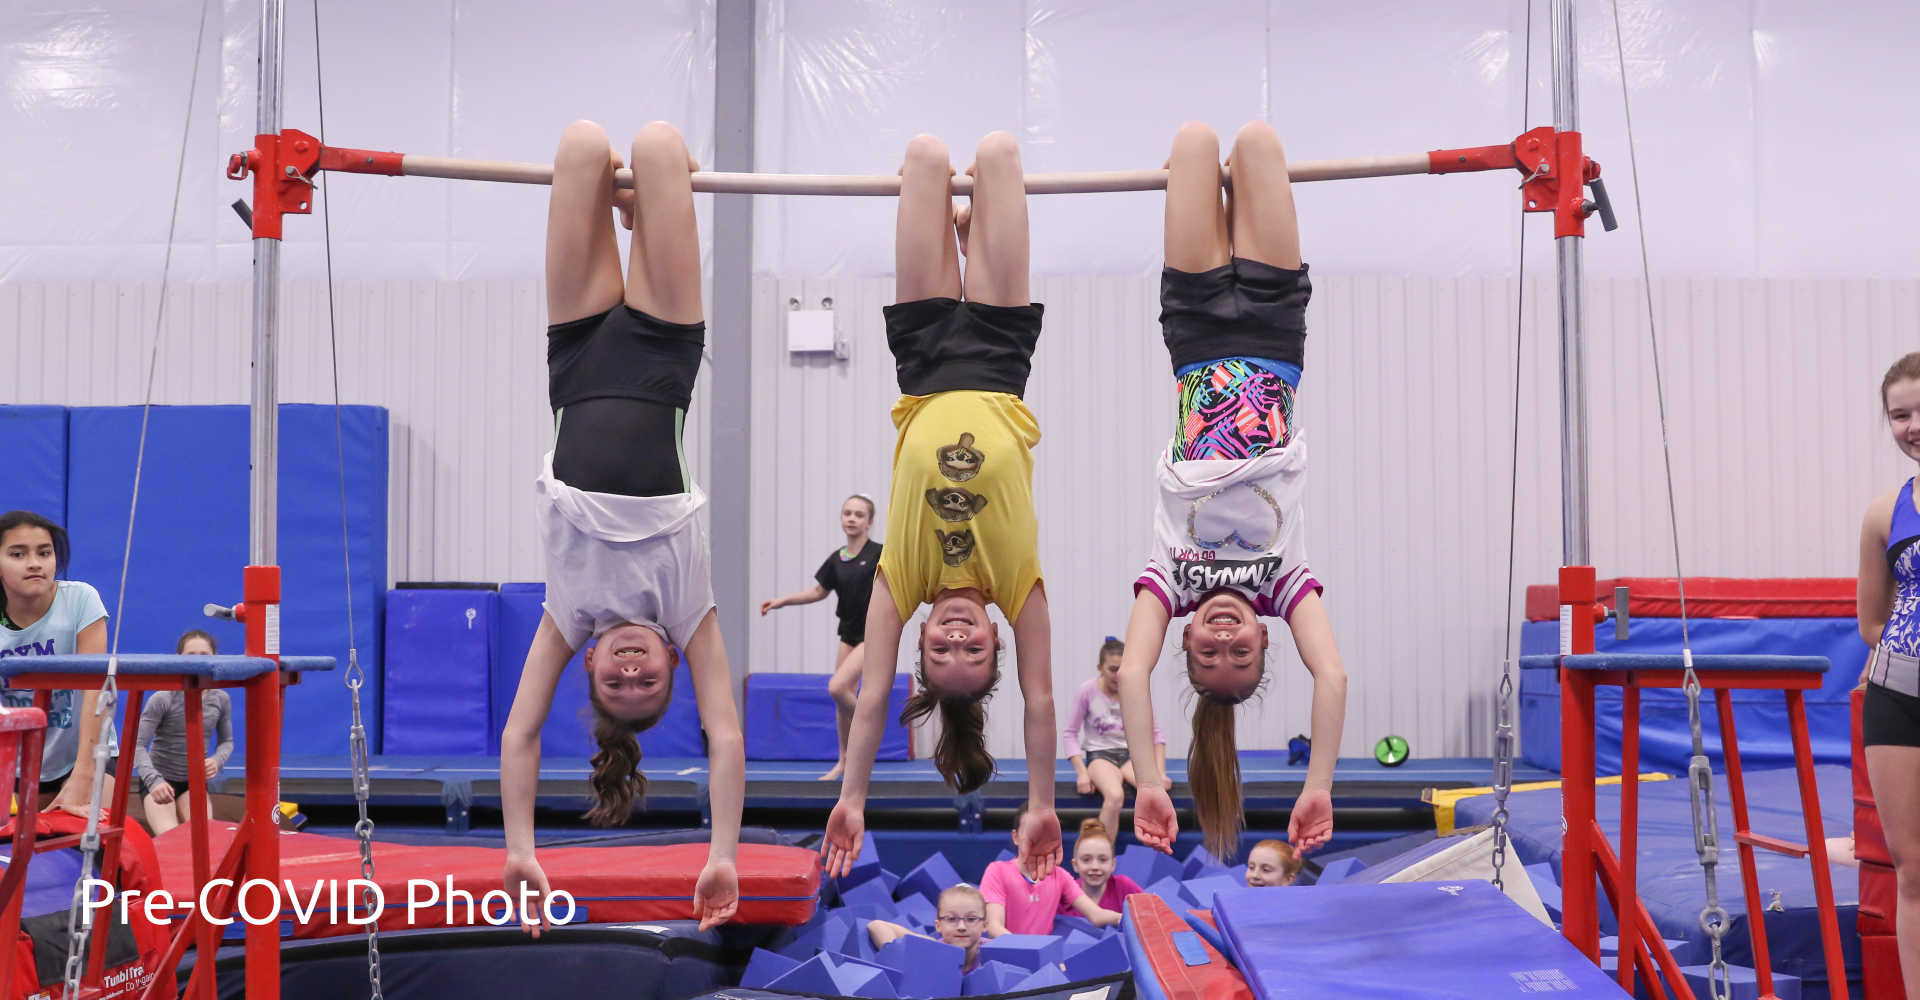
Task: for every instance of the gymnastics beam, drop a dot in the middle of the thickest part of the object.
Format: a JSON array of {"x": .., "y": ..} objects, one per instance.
[{"x": 1444, "y": 161}]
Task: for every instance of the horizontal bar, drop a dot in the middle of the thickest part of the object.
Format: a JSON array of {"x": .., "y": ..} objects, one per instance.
[
  {"x": 360, "y": 161},
  {"x": 1774, "y": 844}
]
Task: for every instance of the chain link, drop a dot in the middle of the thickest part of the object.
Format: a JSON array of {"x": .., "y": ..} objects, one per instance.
[
  {"x": 79, "y": 916},
  {"x": 1706, "y": 836},
  {"x": 1502, "y": 770},
  {"x": 362, "y": 787}
]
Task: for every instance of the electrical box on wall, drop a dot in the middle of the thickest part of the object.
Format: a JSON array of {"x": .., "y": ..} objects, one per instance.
[{"x": 812, "y": 331}]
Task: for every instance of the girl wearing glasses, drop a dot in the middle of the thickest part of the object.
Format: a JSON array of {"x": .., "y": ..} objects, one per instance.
[
  {"x": 1229, "y": 544},
  {"x": 962, "y": 922}
]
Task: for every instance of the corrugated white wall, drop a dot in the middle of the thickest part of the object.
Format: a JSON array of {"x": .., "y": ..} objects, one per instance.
[
  {"x": 460, "y": 365},
  {"x": 1408, "y": 406}
]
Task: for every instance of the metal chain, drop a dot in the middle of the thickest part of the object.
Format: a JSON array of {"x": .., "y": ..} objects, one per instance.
[
  {"x": 1502, "y": 770},
  {"x": 1706, "y": 836},
  {"x": 357, "y": 741},
  {"x": 79, "y": 916}
]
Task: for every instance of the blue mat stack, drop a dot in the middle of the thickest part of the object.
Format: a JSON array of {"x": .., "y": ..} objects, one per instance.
[{"x": 833, "y": 954}]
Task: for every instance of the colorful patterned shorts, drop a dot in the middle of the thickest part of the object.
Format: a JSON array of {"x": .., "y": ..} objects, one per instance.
[{"x": 1232, "y": 409}]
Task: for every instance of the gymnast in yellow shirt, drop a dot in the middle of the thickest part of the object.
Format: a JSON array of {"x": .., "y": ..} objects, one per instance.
[{"x": 961, "y": 532}]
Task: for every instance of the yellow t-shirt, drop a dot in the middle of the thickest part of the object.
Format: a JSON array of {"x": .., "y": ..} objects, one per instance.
[{"x": 961, "y": 514}]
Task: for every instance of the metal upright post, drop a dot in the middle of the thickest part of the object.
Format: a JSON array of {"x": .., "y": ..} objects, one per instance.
[
  {"x": 1573, "y": 396},
  {"x": 264, "y": 453}
]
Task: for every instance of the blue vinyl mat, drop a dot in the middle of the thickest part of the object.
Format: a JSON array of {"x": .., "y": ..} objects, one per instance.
[
  {"x": 1418, "y": 939},
  {"x": 36, "y": 479},
  {"x": 1670, "y": 877}
]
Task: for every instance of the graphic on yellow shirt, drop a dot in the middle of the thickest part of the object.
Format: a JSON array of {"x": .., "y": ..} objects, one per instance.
[{"x": 980, "y": 535}]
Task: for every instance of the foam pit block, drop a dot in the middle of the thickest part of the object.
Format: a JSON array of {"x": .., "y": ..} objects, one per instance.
[
  {"x": 822, "y": 976},
  {"x": 1200, "y": 862},
  {"x": 841, "y": 930},
  {"x": 1006, "y": 854},
  {"x": 927, "y": 968},
  {"x": 1073, "y": 942},
  {"x": 799, "y": 943},
  {"x": 1548, "y": 888},
  {"x": 917, "y": 912},
  {"x": 1176, "y": 894},
  {"x": 1745, "y": 986},
  {"x": 1202, "y": 889},
  {"x": 1047, "y": 976},
  {"x": 765, "y": 967},
  {"x": 1202, "y": 923},
  {"x": 866, "y": 866},
  {"x": 872, "y": 892},
  {"x": 1146, "y": 866},
  {"x": 928, "y": 879},
  {"x": 1075, "y": 924},
  {"x": 990, "y": 979},
  {"x": 1022, "y": 951},
  {"x": 1339, "y": 869},
  {"x": 893, "y": 975},
  {"x": 1102, "y": 958}
]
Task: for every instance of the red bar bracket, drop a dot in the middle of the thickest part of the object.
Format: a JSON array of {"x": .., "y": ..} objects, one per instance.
[
  {"x": 282, "y": 167},
  {"x": 1546, "y": 158}
]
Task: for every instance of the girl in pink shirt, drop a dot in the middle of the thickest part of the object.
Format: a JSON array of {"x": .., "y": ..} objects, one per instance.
[
  {"x": 1093, "y": 860},
  {"x": 1017, "y": 904}
]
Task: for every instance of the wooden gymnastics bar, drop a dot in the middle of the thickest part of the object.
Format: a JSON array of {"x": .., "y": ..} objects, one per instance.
[{"x": 362, "y": 161}]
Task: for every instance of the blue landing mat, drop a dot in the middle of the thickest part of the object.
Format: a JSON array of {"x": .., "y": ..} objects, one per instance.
[
  {"x": 1419, "y": 939},
  {"x": 1670, "y": 878}
]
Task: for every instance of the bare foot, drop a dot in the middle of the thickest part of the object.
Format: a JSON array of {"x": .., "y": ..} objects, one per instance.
[{"x": 839, "y": 768}]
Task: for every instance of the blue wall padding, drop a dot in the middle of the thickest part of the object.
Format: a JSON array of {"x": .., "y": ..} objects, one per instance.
[
  {"x": 514, "y": 623},
  {"x": 36, "y": 480},
  {"x": 928, "y": 968},
  {"x": 569, "y": 728},
  {"x": 929, "y": 879},
  {"x": 1107, "y": 956},
  {"x": 765, "y": 967},
  {"x": 1024, "y": 951},
  {"x": 438, "y": 678},
  {"x": 1760, "y": 717},
  {"x": 193, "y": 494},
  {"x": 791, "y": 717}
]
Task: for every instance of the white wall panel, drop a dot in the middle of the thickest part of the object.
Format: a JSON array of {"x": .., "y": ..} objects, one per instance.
[{"x": 1408, "y": 405}]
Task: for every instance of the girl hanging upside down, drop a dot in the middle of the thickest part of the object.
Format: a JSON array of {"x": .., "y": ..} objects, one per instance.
[
  {"x": 627, "y": 560},
  {"x": 961, "y": 515},
  {"x": 1229, "y": 544}
]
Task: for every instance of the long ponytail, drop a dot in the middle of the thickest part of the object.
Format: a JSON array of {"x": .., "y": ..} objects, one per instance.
[
  {"x": 1213, "y": 774},
  {"x": 960, "y": 754}
]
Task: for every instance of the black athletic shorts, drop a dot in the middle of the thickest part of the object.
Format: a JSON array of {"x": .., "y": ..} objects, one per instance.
[
  {"x": 1117, "y": 757},
  {"x": 940, "y": 345},
  {"x": 1241, "y": 309},
  {"x": 624, "y": 380},
  {"x": 1889, "y": 718}
]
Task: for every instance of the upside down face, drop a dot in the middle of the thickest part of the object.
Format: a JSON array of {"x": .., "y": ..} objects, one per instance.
[
  {"x": 958, "y": 645},
  {"x": 1226, "y": 646},
  {"x": 631, "y": 670}
]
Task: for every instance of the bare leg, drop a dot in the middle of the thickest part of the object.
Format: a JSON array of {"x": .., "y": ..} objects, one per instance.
[
  {"x": 160, "y": 815},
  {"x": 1260, "y": 213},
  {"x": 997, "y": 246},
  {"x": 844, "y": 687},
  {"x": 583, "y": 255},
  {"x": 926, "y": 263},
  {"x": 1892, "y": 771},
  {"x": 1106, "y": 779},
  {"x": 1126, "y": 774},
  {"x": 663, "y": 269},
  {"x": 1196, "y": 226}
]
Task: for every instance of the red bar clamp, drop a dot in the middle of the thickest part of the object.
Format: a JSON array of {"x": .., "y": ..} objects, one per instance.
[
  {"x": 282, "y": 166},
  {"x": 1545, "y": 157}
]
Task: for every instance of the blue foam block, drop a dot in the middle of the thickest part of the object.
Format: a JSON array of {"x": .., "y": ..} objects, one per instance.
[
  {"x": 1201, "y": 890},
  {"x": 792, "y": 717},
  {"x": 765, "y": 967},
  {"x": 1072, "y": 923},
  {"x": 1146, "y": 866},
  {"x": 1339, "y": 870},
  {"x": 439, "y": 671},
  {"x": 36, "y": 438},
  {"x": 800, "y": 942},
  {"x": 1176, "y": 895},
  {"x": 866, "y": 866},
  {"x": 195, "y": 486},
  {"x": 1201, "y": 861},
  {"x": 1022, "y": 951},
  {"x": 914, "y": 910},
  {"x": 841, "y": 931},
  {"x": 928, "y": 879},
  {"x": 990, "y": 979},
  {"x": 1745, "y": 985},
  {"x": 822, "y": 975},
  {"x": 1048, "y": 975},
  {"x": 1006, "y": 854},
  {"x": 872, "y": 892},
  {"x": 869, "y": 961},
  {"x": 1104, "y": 957},
  {"x": 927, "y": 968},
  {"x": 1073, "y": 941}
]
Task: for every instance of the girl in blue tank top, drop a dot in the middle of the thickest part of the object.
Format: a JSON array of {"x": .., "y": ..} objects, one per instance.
[{"x": 1889, "y": 599}]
